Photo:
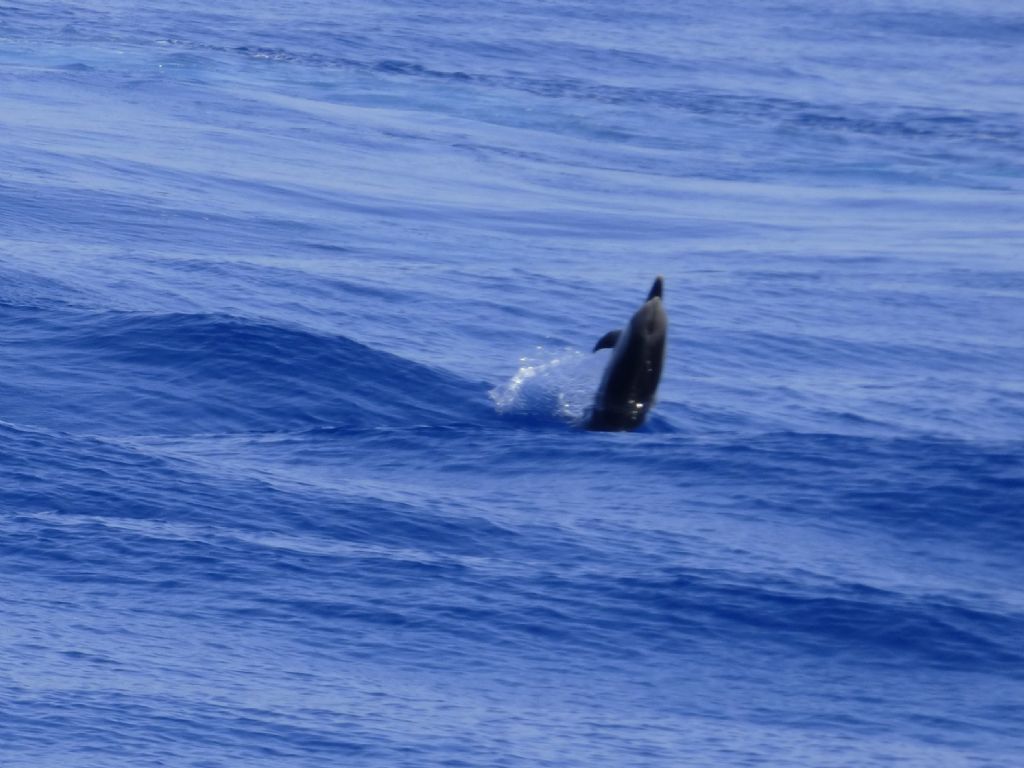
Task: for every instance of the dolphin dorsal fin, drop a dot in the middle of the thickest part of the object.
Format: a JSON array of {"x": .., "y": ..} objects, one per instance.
[
  {"x": 608, "y": 341},
  {"x": 657, "y": 288}
]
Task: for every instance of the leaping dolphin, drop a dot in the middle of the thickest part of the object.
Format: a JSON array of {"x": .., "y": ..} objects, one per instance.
[{"x": 626, "y": 394}]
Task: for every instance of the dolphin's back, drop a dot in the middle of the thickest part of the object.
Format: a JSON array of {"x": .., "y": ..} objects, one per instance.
[{"x": 631, "y": 378}]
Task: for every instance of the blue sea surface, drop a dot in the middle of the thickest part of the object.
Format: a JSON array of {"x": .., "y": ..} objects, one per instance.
[{"x": 296, "y": 307}]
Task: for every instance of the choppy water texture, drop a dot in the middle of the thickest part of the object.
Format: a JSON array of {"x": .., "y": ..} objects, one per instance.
[{"x": 296, "y": 304}]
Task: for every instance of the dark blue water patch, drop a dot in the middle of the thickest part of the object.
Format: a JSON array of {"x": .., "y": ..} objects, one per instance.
[
  {"x": 887, "y": 627},
  {"x": 25, "y": 20},
  {"x": 104, "y": 479},
  {"x": 457, "y": 580},
  {"x": 800, "y": 351},
  {"x": 180, "y": 373},
  {"x": 140, "y": 221},
  {"x": 927, "y": 489},
  {"x": 261, "y": 735},
  {"x": 922, "y": 489},
  {"x": 787, "y": 113},
  {"x": 988, "y": 28},
  {"x": 22, "y": 290}
]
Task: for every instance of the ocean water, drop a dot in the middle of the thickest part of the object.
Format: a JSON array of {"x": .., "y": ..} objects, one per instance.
[{"x": 296, "y": 308}]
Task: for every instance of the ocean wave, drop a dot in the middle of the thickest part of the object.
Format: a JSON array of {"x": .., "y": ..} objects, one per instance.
[{"x": 180, "y": 373}]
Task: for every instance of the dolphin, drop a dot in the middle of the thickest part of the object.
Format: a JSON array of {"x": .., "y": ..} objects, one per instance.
[{"x": 626, "y": 394}]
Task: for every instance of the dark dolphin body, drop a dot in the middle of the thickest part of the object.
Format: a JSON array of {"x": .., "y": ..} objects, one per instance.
[{"x": 626, "y": 394}]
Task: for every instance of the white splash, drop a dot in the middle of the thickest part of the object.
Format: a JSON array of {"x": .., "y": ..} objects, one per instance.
[{"x": 559, "y": 384}]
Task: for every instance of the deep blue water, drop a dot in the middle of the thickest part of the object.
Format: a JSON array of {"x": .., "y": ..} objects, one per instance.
[{"x": 296, "y": 304}]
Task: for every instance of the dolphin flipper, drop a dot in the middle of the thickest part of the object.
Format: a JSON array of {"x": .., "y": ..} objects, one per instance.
[{"x": 608, "y": 341}]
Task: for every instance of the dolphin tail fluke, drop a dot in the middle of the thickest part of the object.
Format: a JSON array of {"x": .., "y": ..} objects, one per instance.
[
  {"x": 608, "y": 341},
  {"x": 657, "y": 288}
]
